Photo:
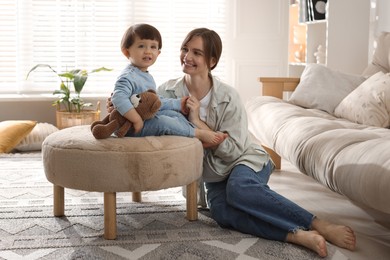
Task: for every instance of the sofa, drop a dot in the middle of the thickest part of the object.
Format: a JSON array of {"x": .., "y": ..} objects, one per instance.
[{"x": 331, "y": 125}]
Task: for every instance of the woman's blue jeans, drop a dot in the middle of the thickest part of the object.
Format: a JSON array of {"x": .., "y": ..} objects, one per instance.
[
  {"x": 166, "y": 122},
  {"x": 245, "y": 202}
]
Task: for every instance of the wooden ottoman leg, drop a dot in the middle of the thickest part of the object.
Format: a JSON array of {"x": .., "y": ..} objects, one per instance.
[
  {"x": 137, "y": 196},
  {"x": 109, "y": 215},
  {"x": 192, "y": 209},
  {"x": 58, "y": 201}
]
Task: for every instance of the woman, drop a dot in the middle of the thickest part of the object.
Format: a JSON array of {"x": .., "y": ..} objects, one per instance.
[{"x": 236, "y": 171}]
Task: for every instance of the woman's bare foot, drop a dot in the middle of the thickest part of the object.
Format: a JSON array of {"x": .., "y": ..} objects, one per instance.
[
  {"x": 209, "y": 138},
  {"x": 338, "y": 235},
  {"x": 309, "y": 239}
]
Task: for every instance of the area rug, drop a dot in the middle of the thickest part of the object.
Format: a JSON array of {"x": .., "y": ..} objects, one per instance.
[{"x": 154, "y": 229}]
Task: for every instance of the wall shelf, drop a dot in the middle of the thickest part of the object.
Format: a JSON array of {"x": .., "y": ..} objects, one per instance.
[{"x": 344, "y": 35}]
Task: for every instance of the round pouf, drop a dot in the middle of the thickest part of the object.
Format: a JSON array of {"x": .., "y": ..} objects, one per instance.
[{"x": 73, "y": 158}]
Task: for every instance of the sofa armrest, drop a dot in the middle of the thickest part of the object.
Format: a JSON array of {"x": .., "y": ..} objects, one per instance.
[{"x": 275, "y": 86}]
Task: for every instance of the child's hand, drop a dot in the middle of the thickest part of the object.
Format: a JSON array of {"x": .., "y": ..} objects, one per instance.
[
  {"x": 138, "y": 125},
  {"x": 184, "y": 109},
  {"x": 133, "y": 116},
  {"x": 109, "y": 105}
]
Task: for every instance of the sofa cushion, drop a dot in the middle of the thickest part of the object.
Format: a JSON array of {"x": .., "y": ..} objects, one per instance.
[
  {"x": 33, "y": 141},
  {"x": 12, "y": 132},
  {"x": 381, "y": 59},
  {"x": 369, "y": 103},
  {"x": 323, "y": 88}
]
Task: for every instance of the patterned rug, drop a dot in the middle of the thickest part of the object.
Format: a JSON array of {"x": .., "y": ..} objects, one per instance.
[{"x": 153, "y": 229}]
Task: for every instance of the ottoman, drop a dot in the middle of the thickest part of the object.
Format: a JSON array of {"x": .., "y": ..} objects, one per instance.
[{"x": 73, "y": 158}]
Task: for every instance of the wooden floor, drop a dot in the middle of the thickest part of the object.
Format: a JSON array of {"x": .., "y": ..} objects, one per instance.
[{"x": 372, "y": 227}]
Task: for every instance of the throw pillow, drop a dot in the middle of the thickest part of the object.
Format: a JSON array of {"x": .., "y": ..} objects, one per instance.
[
  {"x": 12, "y": 132},
  {"x": 323, "y": 88},
  {"x": 33, "y": 141},
  {"x": 369, "y": 103},
  {"x": 381, "y": 58}
]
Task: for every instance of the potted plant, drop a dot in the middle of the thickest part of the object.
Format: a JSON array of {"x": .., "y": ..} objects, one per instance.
[{"x": 70, "y": 107}]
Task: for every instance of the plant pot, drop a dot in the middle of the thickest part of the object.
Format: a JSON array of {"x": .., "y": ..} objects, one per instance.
[{"x": 66, "y": 119}]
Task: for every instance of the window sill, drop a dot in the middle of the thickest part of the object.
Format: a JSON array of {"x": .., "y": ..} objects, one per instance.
[{"x": 44, "y": 97}]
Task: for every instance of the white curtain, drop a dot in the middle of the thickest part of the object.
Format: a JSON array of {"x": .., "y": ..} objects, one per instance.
[{"x": 86, "y": 34}]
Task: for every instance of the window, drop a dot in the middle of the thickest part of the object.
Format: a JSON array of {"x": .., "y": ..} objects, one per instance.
[{"x": 86, "y": 34}]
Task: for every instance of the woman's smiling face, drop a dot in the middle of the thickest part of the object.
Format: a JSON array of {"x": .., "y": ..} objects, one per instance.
[{"x": 192, "y": 57}]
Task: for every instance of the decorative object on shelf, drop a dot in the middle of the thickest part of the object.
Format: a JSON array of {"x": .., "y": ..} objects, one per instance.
[
  {"x": 316, "y": 9},
  {"x": 303, "y": 15},
  {"x": 300, "y": 54},
  {"x": 299, "y": 40},
  {"x": 320, "y": 54},
  {"x": 70, "y": 107}
]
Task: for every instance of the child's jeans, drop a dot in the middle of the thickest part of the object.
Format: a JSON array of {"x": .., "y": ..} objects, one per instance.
[{"x": 166, "y": 122}]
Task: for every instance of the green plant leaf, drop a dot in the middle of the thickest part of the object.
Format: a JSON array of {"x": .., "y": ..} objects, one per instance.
[
  {"x": 78, "y": 78},
  {"x": 68, "y": 75},
  {"x": 64, "y": 88},
  {"x": 39, "y": 66},
  {"x": 100, "y": 69},
  {"x": 79, "y": 81},
  {"x": 76, "y": 71}
]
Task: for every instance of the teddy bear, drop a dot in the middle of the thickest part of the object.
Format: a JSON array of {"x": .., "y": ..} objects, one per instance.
[{"x": 146, "y": 104}]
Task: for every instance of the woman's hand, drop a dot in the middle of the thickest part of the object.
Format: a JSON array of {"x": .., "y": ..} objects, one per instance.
[
  {"x": 184, "y": 109},
  {"x": 193, "y": 105}
]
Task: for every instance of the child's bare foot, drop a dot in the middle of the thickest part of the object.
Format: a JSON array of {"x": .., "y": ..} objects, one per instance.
[
  {"x": 209, "y": 138},
  {"x": 214, "y": 145},
  {"x": 309, "y": 239},
  {"x": 338, "y": 235}
]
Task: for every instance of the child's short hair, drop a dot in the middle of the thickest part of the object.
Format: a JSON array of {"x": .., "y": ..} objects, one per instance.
[{"x": 143, "y": 31}]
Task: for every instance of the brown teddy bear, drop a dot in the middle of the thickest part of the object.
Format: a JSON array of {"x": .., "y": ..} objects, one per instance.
[{"x": 146, "y": 104}]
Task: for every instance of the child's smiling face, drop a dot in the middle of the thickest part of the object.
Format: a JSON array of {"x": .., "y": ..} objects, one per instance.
[{"x": 143, "y": 53}]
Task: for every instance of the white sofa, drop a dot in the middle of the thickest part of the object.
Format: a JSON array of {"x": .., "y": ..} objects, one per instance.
[{"x": 334, "y": 127}]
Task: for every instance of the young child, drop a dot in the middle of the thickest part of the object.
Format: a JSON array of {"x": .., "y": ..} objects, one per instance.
[{"x": 142, "y": 44}]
